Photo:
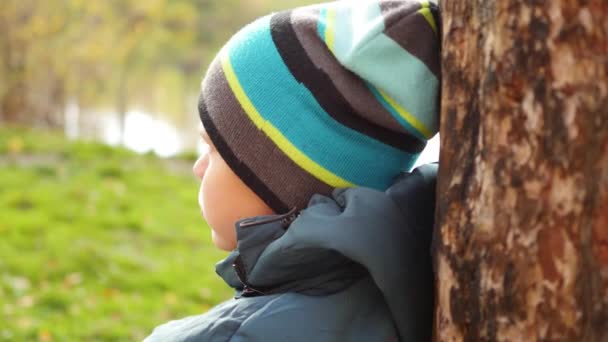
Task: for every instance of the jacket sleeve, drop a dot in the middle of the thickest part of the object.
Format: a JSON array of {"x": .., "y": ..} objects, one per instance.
[{"x": 217, "y": 325}]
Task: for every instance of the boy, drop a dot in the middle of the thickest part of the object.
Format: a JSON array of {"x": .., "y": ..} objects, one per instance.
[{"x": 311, "y": 116}]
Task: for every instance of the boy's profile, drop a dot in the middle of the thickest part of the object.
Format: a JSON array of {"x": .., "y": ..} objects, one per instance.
[{"x": 311, "y": 118}]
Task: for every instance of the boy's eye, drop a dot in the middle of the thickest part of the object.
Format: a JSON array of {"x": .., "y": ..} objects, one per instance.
[{"x": 206, "y": 140}]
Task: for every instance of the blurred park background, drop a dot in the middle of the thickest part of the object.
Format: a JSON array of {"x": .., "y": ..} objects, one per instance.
[{"x": 100, "y": 234}]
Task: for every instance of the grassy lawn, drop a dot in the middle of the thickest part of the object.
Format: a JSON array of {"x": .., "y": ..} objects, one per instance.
[{"x": 97, "y": 243}]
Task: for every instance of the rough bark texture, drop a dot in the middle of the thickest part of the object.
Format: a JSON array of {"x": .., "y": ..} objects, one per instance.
[{"x": 521, "y": 243}]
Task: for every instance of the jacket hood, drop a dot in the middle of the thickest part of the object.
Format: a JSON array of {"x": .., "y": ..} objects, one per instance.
[{"x": 337, "y": 240}]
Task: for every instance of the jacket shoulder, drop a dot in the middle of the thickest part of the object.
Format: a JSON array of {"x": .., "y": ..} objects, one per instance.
[{"x": 358, "y": 313}]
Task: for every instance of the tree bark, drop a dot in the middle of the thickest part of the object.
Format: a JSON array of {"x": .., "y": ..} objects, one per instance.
[{"x": 521, "y": 243}]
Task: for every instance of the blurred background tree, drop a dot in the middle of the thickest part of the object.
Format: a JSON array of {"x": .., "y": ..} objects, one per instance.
[{"x": 113, "y": 55}]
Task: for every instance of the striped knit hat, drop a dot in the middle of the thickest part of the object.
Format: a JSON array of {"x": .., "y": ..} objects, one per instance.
[{"x": 334, "y": 95}]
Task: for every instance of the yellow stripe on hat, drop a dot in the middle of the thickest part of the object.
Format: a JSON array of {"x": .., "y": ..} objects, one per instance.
[
  {"x": 407, "y": 116},
  {"x": 330, "y": 28},
  {"x": 426, "y": 12},
  {"x": 301, "y": 159}
]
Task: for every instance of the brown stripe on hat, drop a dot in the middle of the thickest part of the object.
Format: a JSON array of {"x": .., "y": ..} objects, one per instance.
[
  {"x": 250, "y": 153},
  {"x": 352, "y": 88},
  {"x": 243, "y": 172},
  {"x": 322, "y": 88},
  {"x": 412, "y": 32},
  {"x": 407, "y": 7}
]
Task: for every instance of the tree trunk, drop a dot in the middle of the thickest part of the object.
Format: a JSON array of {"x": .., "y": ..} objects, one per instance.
[
  {"x": 521, "y": 243},
  {"x": 13, "y": 104}
]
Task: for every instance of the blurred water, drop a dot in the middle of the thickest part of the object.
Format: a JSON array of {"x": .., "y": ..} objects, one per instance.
[
  {"x": 143, "y": 132},
  {"x": 147, "y": 132}
]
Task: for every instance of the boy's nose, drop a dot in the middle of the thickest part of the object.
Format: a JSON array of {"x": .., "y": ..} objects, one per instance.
[{"x": 200, "y": 165}]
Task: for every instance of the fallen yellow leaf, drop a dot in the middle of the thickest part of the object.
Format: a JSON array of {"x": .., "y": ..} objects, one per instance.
[
  {"x": 15, "y": 145},
  {"x": 44, "y": 336}
]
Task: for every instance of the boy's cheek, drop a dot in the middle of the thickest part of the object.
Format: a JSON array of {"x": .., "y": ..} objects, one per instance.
[
  {"x": 208, "y": 191},
  {"x": 201, "y": 199},
  {"x": 218, "y": 209},
  {"x": 207, "y": 198}
]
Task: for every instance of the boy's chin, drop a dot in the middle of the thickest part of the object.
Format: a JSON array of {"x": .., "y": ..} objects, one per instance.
[{"x": 222, "y": 243}]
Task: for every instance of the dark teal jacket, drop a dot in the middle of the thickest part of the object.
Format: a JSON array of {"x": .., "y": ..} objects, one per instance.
[{"x": 354, "y": 267}]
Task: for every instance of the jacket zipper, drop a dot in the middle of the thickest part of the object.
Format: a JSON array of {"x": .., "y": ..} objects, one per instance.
[
  {"x": 248, "y": 290},
  {"x": 286, "y": 219}
]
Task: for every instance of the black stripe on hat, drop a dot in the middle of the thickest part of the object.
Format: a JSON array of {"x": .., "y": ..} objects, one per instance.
[
  {"x": 411, "y": 30},
  {"x": 244, "y": 172},
  {"x": 321, "y": 86},
  {"x": 436, "y": 12}
]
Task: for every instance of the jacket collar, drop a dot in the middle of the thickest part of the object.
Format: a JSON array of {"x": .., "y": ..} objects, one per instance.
[{"x": 322, "y": 272}]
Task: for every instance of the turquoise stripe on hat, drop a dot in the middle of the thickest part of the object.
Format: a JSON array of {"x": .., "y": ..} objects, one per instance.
[
  {"x": 322, "y": 20},
  {"x": 354, "y": 25},
  {"x": 294, "y": 111},
  {"x": 360, "y": 43},
  {"x": 404, "y": 81}
]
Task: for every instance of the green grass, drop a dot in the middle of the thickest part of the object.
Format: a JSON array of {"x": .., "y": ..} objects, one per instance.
[{"x": 98, "y": 243}]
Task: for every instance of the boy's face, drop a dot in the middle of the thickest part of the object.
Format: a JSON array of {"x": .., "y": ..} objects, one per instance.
[{"x": 223, "y": 197}]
